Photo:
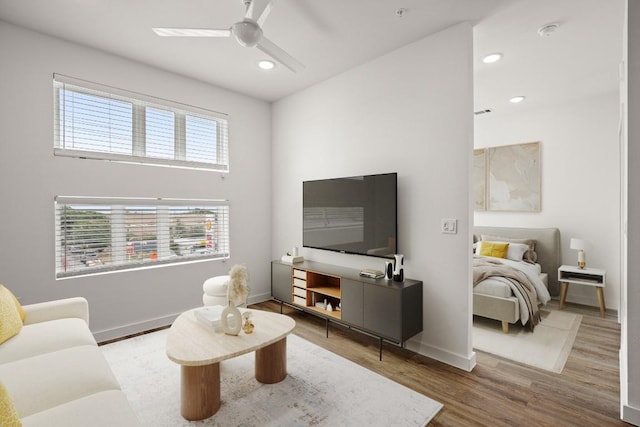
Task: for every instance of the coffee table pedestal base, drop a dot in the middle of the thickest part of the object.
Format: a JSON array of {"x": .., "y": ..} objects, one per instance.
[
  {"x": 200, "y": 391},
  {"x": 271, "y": 362},
  {"x": 201, "y": 384}
]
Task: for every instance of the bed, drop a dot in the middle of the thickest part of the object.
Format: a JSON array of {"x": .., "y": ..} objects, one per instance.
[{"x": 489, "y": 303}]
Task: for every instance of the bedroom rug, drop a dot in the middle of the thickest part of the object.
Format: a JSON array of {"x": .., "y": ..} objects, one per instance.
[
  {"x": 547, "y": 348},
  {"x": 321, "y": 388}
]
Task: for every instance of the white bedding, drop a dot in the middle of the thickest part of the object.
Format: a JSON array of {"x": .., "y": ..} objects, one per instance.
[
  {"x": 497, "y": 286},
  {"x": 493, "y": 286}
]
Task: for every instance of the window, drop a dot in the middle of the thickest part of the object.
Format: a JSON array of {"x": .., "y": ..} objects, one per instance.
[
  {"x": 98, "y": 234},
  {"x": 94, "y": 121}
]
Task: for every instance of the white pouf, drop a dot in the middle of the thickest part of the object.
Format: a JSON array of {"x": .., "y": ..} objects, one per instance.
[{"x": 215, "y": 290}]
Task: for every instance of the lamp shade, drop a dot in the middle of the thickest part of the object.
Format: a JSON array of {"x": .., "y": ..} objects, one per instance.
[{"x": 579, "y": 244}]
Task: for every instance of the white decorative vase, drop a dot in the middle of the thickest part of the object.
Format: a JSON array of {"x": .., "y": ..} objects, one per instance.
[{"x": 231, "y": 327}]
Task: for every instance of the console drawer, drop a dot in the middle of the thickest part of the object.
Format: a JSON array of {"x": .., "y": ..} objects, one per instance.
[
  {"x": 299, "y": 283},
  {"x": 300, "y": 274},
  {"x": 300, "y": 292},
  {"x": 299, "y": 300}
]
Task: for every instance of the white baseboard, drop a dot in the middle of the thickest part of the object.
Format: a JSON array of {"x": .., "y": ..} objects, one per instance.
[
  {"x": 631, "y": 415},
  {"x": 254, "y": 299},
  {"x": 146, "y": 325},
  {"x": 455, "y": 360},
  {"x": 134, "y": 328}
]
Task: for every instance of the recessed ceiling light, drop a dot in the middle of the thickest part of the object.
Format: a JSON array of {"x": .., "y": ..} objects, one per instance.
[
  {"x": 491, "y": 58},
  {"x": 266, "y": 65},
  {"x": 517, "y": 99}
]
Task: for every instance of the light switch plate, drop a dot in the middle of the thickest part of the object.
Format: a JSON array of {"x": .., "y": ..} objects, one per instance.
[{"x": 449, "y": 226}]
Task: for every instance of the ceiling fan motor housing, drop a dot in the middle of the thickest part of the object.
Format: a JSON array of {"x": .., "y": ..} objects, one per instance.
[{"x": 247, "y": 32}]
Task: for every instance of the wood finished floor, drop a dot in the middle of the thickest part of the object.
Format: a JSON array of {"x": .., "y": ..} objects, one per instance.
[{"x": 497, "y": 392}]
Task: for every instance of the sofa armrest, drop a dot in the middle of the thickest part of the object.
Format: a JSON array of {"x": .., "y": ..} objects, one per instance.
[{"x": 57, "y": 309}]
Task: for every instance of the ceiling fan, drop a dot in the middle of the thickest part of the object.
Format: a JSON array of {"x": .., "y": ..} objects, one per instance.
[{"x": 248, "y": 32}]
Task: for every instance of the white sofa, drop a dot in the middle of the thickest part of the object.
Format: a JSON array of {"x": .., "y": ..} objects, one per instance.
[{"x": 56, "y": 374}]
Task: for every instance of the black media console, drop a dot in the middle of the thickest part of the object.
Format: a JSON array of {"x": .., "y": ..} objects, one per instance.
[{"x": 391, "y": 311}]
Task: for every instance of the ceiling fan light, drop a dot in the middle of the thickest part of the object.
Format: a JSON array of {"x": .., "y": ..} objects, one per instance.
[
  {"x": 247, "y": 32},
  {"x": 266, "y": 64}
]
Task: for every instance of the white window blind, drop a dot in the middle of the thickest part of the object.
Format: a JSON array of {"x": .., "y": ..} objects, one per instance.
[
  {"x": 96, "y": 235},
  {"x": 100, "y": 122}
]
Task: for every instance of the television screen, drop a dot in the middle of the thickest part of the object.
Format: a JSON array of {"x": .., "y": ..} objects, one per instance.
[{"x": 354, "y": 215}]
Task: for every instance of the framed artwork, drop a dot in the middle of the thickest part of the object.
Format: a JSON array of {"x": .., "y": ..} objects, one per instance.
[
  {"x": 480, "y": 179},
  {"x": 514, "y": 178}
]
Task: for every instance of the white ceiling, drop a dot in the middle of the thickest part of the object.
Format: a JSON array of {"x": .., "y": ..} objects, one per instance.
[
  {"x": 581, "y": 59},
  {"x": 332, "y": 36}
]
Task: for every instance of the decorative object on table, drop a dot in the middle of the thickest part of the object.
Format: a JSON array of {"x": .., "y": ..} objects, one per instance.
[
  {"x": 372, "y": 273},
  {"x": 580, "y": 245},
  {"x": 398, "y": 268},
  {"x": 238, "y": 291},
  {"x": 210, "y": 316},
  {"x": 231, "y": 326},
  {"x": 388, "y": 270},
  {"x": 247, "y": 327},
  {"x": 293, "y": 256}
]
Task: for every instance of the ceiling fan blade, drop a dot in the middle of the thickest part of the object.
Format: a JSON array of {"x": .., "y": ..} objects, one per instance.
[
  {"x": 279, "y": 55},
  {"x": 191, "y": 32},
  {"x": 249, "y": 12},
  {"x": 264, "y": 13},
  {"x": 258, "y": 10}
]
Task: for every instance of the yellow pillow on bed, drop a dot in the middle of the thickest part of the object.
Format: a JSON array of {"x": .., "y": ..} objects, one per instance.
[{"x": 494, "y": 249}]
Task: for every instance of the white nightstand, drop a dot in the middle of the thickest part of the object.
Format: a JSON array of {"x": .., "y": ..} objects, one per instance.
[{"x": 582, "y": 276}]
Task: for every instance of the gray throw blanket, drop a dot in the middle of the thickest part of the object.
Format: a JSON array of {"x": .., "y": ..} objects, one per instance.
[{"x": 484, "y": 268}]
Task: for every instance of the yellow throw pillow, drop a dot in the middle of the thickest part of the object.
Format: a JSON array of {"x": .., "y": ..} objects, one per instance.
[
  {"x": 10, "y": 321},
  {"x": 18, "y": 307},
  {"x": 8, "y": 414},
  {"x": 494, "y": 249}
]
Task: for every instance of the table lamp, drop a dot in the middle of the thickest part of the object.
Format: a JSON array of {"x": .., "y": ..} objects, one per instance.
[{"x": 580, "y": 245}]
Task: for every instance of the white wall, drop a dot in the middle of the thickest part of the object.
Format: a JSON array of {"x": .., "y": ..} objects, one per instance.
[
  {"x": 409, "y": 112},
  {"x": 580, "y": 169},
  {"x": 630, "y": 333},
  {"x": 30, "y": 177}
]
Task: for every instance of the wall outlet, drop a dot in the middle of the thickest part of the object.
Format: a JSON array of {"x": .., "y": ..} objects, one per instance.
[{"x": 449, "y": 226}]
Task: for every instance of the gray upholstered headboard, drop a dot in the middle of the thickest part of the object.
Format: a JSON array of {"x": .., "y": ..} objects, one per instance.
[{"x": 547, "y": 247}]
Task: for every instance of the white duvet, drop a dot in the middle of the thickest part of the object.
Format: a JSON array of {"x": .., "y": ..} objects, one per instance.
[{"x": 532, "y": 271}]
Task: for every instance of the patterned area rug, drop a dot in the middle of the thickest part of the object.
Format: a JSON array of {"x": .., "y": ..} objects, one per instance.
[
  {"x": 321, "y": 388},
  {"x": 547, "y": 347}
]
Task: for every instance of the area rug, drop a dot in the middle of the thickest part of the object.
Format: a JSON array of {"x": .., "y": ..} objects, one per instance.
[
  {"x": 547, "y": 347},
  {"x": 320, "y": 389}
]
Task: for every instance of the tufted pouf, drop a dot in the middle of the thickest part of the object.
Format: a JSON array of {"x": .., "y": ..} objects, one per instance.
[{"x": 215, "y": 290}]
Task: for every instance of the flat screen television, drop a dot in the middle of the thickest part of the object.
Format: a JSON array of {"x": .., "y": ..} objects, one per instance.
[{"x": 356, "y": 215}]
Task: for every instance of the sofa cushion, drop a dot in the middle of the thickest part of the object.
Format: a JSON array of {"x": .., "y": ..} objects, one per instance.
[
  {"x": 104, "y": 409},
  {"x": 43, "y": 382},
  {"x": 57, "y": 309},
  {"x": 10, "y": 321},
  {"x": 45, "y": 337},
  {"x": 8, "y": 413}
]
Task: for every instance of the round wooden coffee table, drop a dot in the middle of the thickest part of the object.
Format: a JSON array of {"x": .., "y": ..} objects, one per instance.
[{"x": 199, "y": 350}]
